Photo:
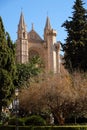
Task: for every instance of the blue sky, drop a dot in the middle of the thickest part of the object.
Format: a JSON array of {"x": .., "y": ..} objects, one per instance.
[{"x": 36, "y": 11}]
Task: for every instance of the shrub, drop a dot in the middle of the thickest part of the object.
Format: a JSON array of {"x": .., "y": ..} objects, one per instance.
[
  {"x": 13, "y": 121},
  {"x": 0, "y": 123},
  {"x": 35, "y": 120}
]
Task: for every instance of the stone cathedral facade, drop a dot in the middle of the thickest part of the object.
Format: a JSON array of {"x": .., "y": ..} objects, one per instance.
[{"x": 29, "y": 44}]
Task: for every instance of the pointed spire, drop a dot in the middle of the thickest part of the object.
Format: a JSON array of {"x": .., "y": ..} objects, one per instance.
[
  {"x": 48, "y": 26},
  {"x": 21, "y": 22}
]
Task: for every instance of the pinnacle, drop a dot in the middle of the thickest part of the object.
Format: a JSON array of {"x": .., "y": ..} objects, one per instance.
[{"x": 48, "y": 26}]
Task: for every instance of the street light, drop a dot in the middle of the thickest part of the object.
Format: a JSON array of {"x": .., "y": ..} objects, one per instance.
[{"x": 16, "y": 106}]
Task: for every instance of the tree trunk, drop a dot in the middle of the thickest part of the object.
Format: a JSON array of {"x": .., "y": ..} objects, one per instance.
[
  {"x": 75, "y": 119},
  {"x": 60, "y": 118}
]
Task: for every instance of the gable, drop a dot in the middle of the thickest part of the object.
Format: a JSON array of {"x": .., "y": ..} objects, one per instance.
[{"x": 34, "y": 37}]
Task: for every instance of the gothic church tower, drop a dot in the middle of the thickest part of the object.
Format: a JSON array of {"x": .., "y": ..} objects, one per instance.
[
  {"x": 22, "y": 42},
  {"x": 50, "y": 38}
]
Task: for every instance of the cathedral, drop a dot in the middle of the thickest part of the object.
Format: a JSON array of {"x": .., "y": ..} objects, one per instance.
[{"x": 30, "y": 44}]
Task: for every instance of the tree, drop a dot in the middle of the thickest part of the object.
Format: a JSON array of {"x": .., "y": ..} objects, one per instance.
[
  {"x": 10, "y": 44},
  {"x": 27, "y": 71},
  {"x": 7, "y": 67},
  {"x": 79, "y": 83},
  {"x": 75, "y": 47},
  {"x": 48, "y": 95}
]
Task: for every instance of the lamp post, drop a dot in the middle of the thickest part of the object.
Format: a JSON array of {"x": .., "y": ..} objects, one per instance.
[{"x": 16, "y": 107}]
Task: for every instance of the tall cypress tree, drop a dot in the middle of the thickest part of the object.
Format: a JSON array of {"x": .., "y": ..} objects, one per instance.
[
  {"x": 75, "y": 47},
  {"x": 7, "y": 67}
]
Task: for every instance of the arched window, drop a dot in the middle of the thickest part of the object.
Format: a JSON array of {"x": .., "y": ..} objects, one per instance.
[
  {"x": 33, "y": 53},
  {"x": 23, "y": 34}
]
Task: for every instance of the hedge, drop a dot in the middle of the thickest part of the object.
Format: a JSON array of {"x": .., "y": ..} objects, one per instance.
[
  {"x": 35, "y": 121},
  {"x": 44, "y": 127}
]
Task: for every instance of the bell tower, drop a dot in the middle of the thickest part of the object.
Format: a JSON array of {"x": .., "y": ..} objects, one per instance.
[{"x": 22, "y": 42}]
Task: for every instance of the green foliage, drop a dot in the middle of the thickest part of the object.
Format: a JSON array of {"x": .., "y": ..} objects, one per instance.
[
  {"x": 7, "y": 67},
  {"x": 75, "y": 47},
  {"x": 26, "y": 71},
  {"x": 32, "y": 120},
  {"x": 2, "y": 33},
  {"x": 37, "y": 61},
  {"x": 4, "y": 117},
  {"x": 14, "y": 120},
  {"x": 35, "y": 120}
]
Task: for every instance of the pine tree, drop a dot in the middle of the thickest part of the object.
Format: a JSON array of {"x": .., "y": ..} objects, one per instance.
[
  {"x": 75, "y": 47},
  {"x": 7, "y": 67}
]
